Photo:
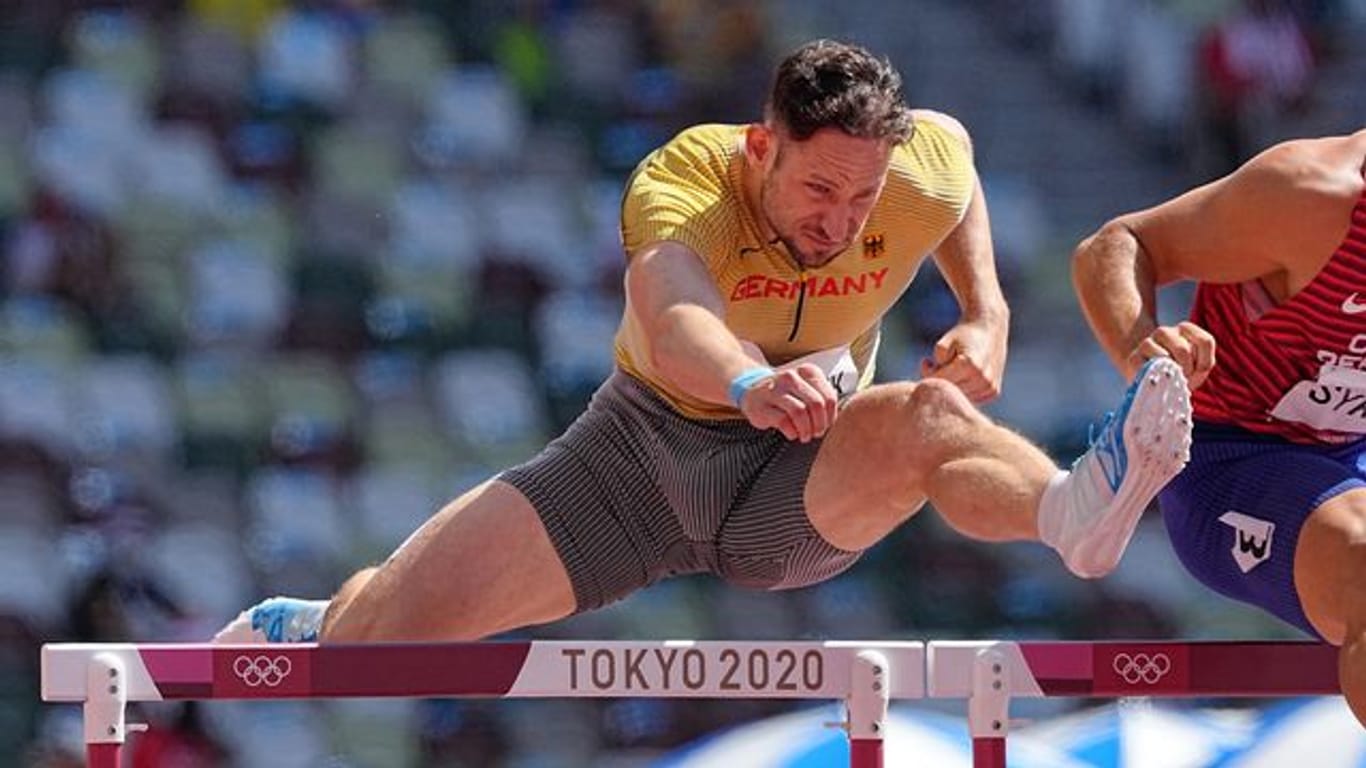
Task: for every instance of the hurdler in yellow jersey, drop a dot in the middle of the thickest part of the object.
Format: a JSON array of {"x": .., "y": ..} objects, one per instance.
[
  {"x": 649, "y": 483},
  {"x": 690, "y": 191}
]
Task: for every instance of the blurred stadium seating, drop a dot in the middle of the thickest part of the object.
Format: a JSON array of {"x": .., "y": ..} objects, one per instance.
[{"x": 277, "y": 279}]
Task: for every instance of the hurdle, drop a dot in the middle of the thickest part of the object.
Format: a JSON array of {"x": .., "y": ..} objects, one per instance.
[
  {"x": 865, "y": 676},
  {"x": 990, "y": 673}
]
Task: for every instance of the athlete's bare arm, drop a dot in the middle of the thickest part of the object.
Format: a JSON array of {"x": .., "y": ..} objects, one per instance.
[
  {"x": 1277, "y": 219},
  {"x": 678, "y": 305},
  {"x": 973, "y": 353}
]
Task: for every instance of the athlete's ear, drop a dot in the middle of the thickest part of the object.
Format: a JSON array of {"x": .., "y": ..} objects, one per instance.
[{"x": 761, "y": 145}]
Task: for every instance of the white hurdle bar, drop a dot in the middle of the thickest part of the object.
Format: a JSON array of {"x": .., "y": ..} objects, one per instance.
[{"x": 864, "y": 675}]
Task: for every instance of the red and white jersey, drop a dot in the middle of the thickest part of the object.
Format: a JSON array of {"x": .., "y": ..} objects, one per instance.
[{"x": 1295, "y": 369}]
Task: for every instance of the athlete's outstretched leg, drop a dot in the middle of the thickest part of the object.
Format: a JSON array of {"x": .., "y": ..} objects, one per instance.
[
  {"x": 482, "y": 565},
  {"x": 895, "y": 446}
]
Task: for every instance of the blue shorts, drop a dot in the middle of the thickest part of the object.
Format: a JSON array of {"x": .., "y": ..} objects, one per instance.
[{"x": 1235, "y": 513}]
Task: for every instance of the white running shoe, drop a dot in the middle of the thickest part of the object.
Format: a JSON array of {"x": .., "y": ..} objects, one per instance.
[
  {"x": 277, "y": 620},
  {"x": 1090, "y": 514}
]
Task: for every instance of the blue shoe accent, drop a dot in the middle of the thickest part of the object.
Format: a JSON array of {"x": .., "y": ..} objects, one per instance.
[
  {"x": 1107, "y": 442},
  {"x": 287, "y": 620}
]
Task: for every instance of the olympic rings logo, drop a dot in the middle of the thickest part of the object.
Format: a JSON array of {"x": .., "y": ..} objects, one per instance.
[
  {"x": 257, "y": 671},
  {"x": 1141, "y": 667}
]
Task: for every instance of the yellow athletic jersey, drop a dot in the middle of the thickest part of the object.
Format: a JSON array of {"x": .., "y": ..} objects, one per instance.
[{"x": 689, "y": 191}]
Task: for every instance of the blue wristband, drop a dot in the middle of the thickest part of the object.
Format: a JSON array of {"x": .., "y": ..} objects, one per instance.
[{"x": 748, "y": 378}]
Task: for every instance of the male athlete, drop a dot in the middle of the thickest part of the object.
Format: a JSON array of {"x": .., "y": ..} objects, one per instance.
[
  {"x": 1272, "y": 509},
  {"x": 761, "y": 260}
]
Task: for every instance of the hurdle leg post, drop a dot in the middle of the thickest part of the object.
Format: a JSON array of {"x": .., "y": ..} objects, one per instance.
[
  {"x": 869, "y": 695},
  {"x": 104, "y": 710},
  {"x": 989, "y": 709}
]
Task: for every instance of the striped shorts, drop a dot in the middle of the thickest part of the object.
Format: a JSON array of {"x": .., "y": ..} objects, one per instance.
[{"x": 633, "y": 492}]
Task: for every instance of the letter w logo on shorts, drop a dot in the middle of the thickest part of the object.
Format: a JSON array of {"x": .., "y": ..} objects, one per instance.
[{"x": 1251, "y": 539}]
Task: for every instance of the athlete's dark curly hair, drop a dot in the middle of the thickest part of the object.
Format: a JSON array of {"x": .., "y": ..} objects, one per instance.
[{"x": 829, "y": 84}]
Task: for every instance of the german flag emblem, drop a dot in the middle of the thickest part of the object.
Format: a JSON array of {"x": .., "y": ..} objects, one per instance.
[{"x": 873, "y": 247}]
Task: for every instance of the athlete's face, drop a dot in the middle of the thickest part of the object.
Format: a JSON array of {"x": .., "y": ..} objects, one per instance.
[{"x": 817, "y": 193}]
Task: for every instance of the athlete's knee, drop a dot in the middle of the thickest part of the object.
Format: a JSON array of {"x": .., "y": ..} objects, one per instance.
[
  {"x": 933, "y": 398},
  {"x": 913, "y": 400},
  {"x": 924, "y": 410},
  {"x": 910, "y": 425}
]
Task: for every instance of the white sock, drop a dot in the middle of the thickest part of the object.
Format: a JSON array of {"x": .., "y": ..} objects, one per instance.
[
  {"x": 1070, "y": 505},
  {"x": 1052, "y": 514}
]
